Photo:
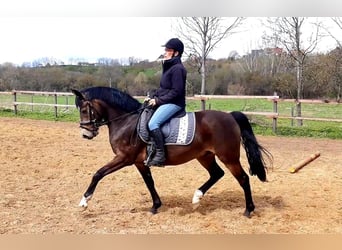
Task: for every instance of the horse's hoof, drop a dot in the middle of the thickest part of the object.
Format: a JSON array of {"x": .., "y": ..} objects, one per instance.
[
  {"x": 247, "y": 214},
  {"x": 84, "y": 202},
  {"x": 197, "y": 196},
  {"x": 154, "y": 210},
  {"x": 195, "y": 205}
]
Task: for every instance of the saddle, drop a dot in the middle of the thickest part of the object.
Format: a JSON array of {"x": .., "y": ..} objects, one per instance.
[{"x": 179, "y": 130}]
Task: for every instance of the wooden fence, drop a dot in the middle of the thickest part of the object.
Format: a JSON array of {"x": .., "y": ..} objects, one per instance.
[
  {"x": 55, "y": 95},
  {"x": 274, "y": 115}
]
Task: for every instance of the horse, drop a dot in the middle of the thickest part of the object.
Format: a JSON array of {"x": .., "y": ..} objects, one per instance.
[{"x": 217, "y": 134}]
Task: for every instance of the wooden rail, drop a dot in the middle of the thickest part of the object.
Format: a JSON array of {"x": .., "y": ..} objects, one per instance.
[
  {"x": 274, "y": 115},
  {"x": 311, "y": 118},
  {"x": 43, "y": 104}
]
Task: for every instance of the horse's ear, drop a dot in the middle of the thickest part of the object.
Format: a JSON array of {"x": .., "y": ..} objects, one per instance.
[{"x": 78, "y": 94}]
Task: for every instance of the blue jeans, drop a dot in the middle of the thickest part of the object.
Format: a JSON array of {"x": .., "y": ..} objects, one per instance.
[{"x": 162, "y": 114}]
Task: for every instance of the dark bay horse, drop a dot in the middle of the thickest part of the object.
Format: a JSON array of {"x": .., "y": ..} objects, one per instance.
[{"x": 217, "y": 134}]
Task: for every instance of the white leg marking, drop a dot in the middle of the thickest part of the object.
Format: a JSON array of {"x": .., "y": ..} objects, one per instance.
[
  {"x": 197, "y": 197},
  {"x": 84, "y": 202}
]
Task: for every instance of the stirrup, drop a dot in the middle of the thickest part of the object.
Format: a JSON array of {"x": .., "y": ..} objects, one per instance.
[
  {"x": 156, "y": 164},
  {"x": 152, "y": 163}
]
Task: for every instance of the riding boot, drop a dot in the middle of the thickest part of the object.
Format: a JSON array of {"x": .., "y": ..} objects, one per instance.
[{"x": 159, "y": 157}]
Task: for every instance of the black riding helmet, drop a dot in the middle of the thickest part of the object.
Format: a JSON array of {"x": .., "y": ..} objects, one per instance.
[{"x": 175, "y": 44}]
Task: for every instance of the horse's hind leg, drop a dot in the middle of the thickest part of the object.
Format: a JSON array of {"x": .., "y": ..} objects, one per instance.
[
  {"x": 243, "y": 179},
  {"x": 209, "y": 163},
  {"x": 147, "y": 176}
]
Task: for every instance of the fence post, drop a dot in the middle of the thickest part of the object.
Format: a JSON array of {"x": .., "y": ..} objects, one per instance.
[
  {"x": 299, "y": 112},
  {"x": 275, "y": 110},
  {"x": 67, "y": 102},
  {"x": 14, "y": 102},
  {"x": 32, "y": 102},
  {"x": 202, "y": 104},
  {"x": 55, "y": 104}
]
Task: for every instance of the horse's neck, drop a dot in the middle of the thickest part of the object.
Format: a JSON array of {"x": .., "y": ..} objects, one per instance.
[{"x": 122, "y": 123}]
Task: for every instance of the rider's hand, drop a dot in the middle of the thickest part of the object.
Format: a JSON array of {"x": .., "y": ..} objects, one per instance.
[{"x": 152, "y": 102}]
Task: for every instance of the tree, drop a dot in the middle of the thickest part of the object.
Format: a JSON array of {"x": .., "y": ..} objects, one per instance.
[
  {"x": 336, "y": 58},
  {"x": 267, "y": 62},
  {"x": 288, "y": 31},
  {"x": 338, "y": 22},
  {"x": 201, "y": 35},
  {"x": 336, "y": 72},
  {"x": 109, "y": 71},
  {"x": 9, "y": 75}
]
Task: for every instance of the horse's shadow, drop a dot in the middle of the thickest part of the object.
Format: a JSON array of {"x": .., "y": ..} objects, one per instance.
[{"x": 225, "y": 200}]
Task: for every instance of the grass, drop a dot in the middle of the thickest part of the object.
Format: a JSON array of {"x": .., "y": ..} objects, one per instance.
[
  {"x": 71, "y": 115},
  {"x": 261, "y": 124}
]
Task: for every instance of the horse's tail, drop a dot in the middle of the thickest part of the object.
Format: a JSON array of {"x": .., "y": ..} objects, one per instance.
[{"x": 254, "y": 151}]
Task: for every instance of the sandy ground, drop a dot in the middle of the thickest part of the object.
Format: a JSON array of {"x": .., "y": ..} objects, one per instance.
[{"x": 46, "y": 167}]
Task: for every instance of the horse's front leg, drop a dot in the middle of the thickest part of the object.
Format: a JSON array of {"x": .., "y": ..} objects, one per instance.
[
  {"x": 147, "y": 176},
  {"x": 114, "y": 165}
]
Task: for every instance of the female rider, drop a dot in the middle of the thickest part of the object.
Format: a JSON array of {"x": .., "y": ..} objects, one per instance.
[{"x": 169, "y": 98}]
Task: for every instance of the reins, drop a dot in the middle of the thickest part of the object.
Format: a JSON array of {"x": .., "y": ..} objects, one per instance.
[{"x": 139, "y": 110}]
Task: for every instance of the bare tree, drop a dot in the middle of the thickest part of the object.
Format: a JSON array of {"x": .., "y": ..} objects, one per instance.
[
  {"x": 338, "y": 61},
  {"x": 288, "y": 31},
  {"x": 109, "y": 70},
  {"x": 338, "y": 22},
  {"x": 201, "y": 35}
]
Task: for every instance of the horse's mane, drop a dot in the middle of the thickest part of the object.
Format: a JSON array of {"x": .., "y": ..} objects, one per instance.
[{"x": 113, "y": 97}]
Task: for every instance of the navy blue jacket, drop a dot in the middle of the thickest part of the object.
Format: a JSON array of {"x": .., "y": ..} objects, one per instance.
[{"x": 172, "y": 83}]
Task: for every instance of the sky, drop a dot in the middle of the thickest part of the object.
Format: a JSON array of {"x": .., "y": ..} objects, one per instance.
[
  {"x": 89, "y": 38},
  {"x": 34, "y": 29}
]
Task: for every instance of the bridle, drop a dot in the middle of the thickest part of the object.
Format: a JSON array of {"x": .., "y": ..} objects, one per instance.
[{"x": 92, "y": 119}]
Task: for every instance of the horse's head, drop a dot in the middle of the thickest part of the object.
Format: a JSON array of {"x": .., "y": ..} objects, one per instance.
[
  {"x": 89, "y": 115},
  {"x": 102, "y": 105}
]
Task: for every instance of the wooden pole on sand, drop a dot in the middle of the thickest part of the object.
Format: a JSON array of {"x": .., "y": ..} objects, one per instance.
[{"x": 298, "y": 166}]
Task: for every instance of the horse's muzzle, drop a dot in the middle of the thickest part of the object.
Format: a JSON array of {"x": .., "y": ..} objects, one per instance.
[{"x": 89, "y": 134}]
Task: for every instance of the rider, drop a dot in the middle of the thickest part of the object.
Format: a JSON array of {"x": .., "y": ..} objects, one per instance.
[{"x": 169, "y": 98}]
